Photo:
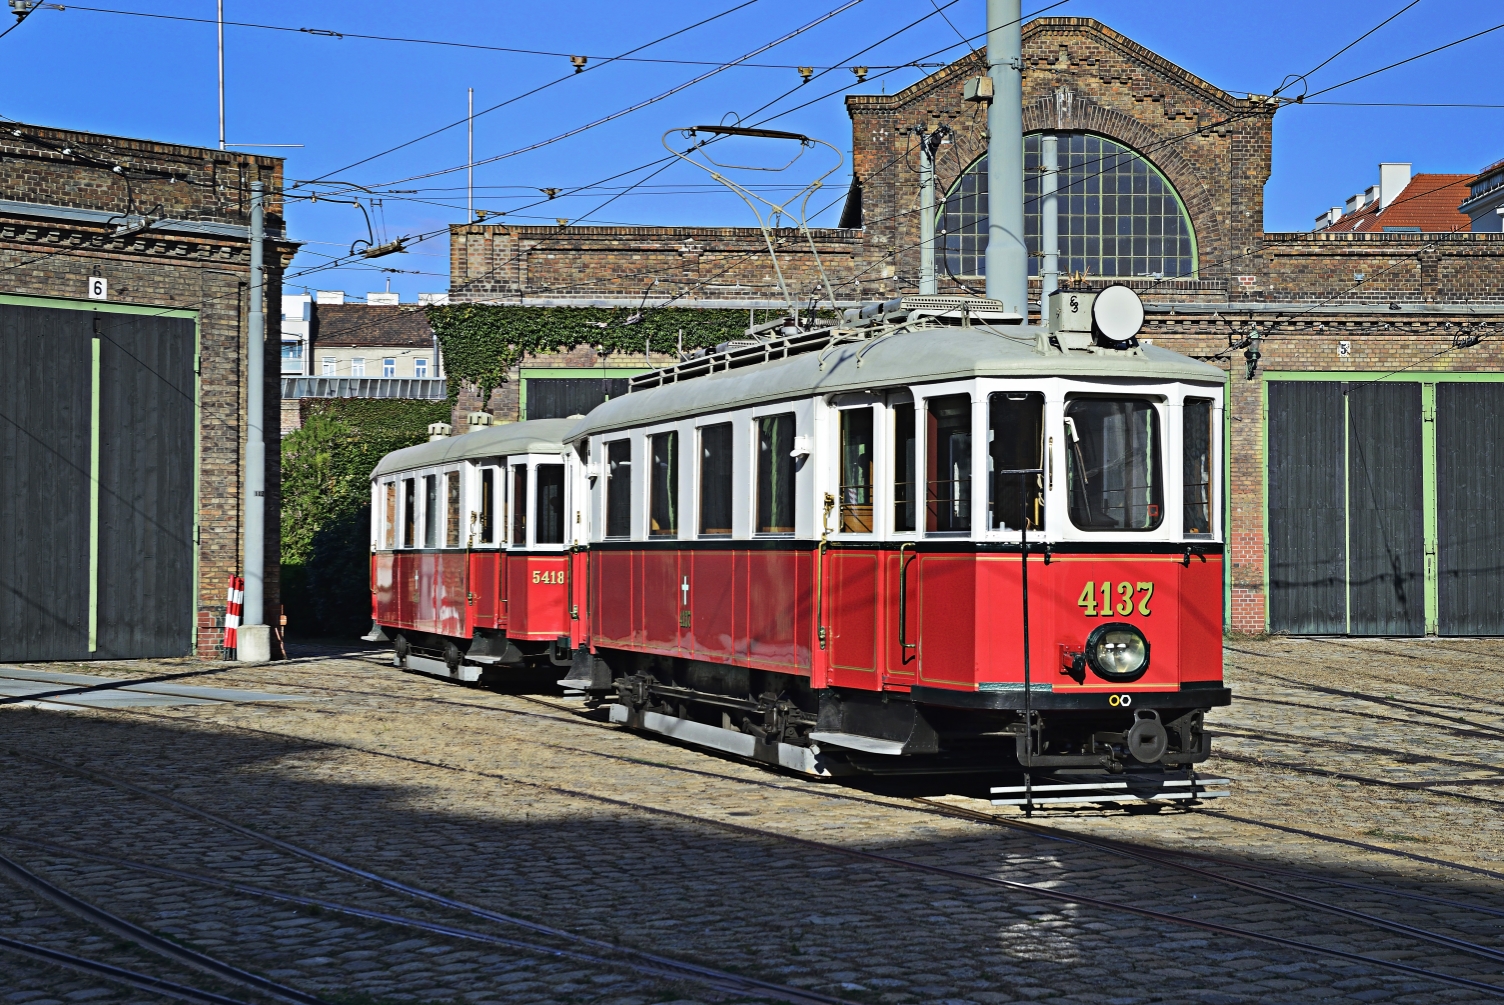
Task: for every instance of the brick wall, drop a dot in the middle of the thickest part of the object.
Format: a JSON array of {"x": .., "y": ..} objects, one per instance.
[{"x": 206, "y": 270}]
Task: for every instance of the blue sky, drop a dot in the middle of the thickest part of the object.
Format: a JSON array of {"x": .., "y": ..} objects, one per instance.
[{"x": 346, "y": 99}]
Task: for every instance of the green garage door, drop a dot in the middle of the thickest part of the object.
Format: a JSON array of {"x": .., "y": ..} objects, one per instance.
[
  {"x": 96, "y": 483},
  {"x": 1346, "y": 508}
]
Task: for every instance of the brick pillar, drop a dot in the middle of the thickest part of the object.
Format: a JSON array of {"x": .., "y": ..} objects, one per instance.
[{"x": 1245, "y": 540}]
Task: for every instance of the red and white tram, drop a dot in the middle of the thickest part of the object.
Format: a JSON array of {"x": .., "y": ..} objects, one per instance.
[
  {"x": 470, "y": 552},
  {"x": 929, "y": 535}
]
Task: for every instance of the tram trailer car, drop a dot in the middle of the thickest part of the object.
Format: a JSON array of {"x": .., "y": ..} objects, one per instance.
[
  {"x": 469, "y": 560},
  {"x": 813, "y": 550}
]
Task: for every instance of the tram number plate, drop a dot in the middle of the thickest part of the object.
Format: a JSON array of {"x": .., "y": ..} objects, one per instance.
[
  {"x": 1119, "y": 601},
  {"x": 540, "y": 576}
]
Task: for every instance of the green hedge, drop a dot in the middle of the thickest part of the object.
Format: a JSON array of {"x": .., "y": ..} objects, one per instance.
[{"x": 326, "y": 505}]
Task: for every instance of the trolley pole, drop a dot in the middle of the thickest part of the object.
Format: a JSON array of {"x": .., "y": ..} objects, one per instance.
[
  {"x": 926, "y": 214},
  {"x": 254, "y": 636},
  {"x": 1007, "y": 255}
]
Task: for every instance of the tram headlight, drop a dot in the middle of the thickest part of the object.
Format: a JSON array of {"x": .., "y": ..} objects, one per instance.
[{"x": 1117, "y": 651}]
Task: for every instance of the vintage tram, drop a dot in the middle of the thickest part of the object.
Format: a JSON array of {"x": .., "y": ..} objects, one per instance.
[{"x": 928, "y": 535}]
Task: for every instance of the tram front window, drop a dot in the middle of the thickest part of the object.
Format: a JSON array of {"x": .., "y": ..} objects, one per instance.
[{"x": 1113, "y": 465}]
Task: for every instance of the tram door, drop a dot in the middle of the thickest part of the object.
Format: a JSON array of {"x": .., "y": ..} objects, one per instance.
[{"x": 1346, "y": 518}]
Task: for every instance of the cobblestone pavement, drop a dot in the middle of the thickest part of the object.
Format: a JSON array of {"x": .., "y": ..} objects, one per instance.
[{"x": 1366, "y": 763}]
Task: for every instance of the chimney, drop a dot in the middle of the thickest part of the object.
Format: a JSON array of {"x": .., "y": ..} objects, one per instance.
[
  {"x": 433, "y": 299},
  {"x": 329, "y": 297},
  {"x": 1328, "y": 218},
  {"x": 1392, "y": 181},
  {"x": 1371, "y": 196},
  {"x": 1355, "y": 202},
  {"x": 383, "y": 299}
]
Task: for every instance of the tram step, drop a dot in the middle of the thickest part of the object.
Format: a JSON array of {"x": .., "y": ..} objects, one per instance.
[
  {"x": 795, "y": 758},
  {"x": 439, "y": 668},
  {"x": 1146, "y": 790}
]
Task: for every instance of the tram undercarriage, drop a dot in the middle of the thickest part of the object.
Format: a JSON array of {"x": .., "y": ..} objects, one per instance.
[{"x": 778, "y": 718}]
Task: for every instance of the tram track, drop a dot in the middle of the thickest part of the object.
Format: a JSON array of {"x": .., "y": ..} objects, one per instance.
[
  {"x": 1161, "y": 858},
  {"x": 1457, "y": 945},
  {"x": 660, "y": 966},
  {"x": 119, "y": 975}
]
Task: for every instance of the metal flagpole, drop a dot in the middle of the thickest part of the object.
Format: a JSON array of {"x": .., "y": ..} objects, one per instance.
[
  {"x": 470, "y": 157},
  {"x": 221, "y": 74}
]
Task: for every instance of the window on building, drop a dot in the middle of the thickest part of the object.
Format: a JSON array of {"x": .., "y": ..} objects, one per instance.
[
  {"x": 329, "y": 366},
  {"x": 292, "y": 351},
  {"x": 420, "y": 368},
  {"x": 856, "y": 470},
  {"x": 389, "y": 367},
  {"x": 452, "y": 509},
  {"x": 1112, "y": 464},
  {"x": 947, "y": 459},
  {"x": 905, "y": 474},
  {"x": 487, "y": 505},
  {"x": 430, "y": 511},
  {"x": 619, "y": 488},
  {"x": 775, "y": 474},
  {"x": 358, "y": 367},
  {"x": 1015, "y": 441},
  {"x": 519, "y": 505},
  {"x": 409, "y": 513},
  {"x": 1118, "y": 216},
  {"x": 389, "y": 515},
  {"x": 663, "y": 491},
  {"x": 1197, "y": 466},
  {"x": 549, "y": 507},
  {"x": 715, "y": 480}
]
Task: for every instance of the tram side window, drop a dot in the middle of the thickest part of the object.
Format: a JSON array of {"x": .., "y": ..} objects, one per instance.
[
  {"x": 430, "y": 511},
  {"x": 663, "y": 489},
  {"x": 856, "y": 470},
  {"x": 715, "y": 480},
  {"x": 409, "y": 512},
  {"x": 452, "y": 509},
  {"x": 549, "y": 508},
  {"x": 519, "y": 505},
  {"x": 1015, "y": 440},
  {"x": 1197, "y": 466},
  {"x": 1113, "y": 464},
  {"x": 619, "y": 489},
  {"x": 905, "y": 474},
  {"x": 389, "y": 515},
  {"x": 948, "y": 463},
  {"x": 487, "y": 504},
  {"x": 775, "y": 474}
]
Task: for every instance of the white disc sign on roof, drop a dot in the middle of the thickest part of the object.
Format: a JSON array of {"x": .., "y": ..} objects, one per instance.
[{"x": 1117, "y": 313}]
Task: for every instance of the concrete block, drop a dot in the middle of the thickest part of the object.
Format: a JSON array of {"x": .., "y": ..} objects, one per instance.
[{"x": 253, "y": 643}]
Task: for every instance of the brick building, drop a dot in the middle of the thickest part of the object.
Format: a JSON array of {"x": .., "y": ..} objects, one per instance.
[
  {"x": 124, "y": 268},
  {"x": 1346, "y": 514}
]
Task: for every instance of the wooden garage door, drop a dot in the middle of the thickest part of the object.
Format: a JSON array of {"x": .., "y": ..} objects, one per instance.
[{"x": 1470, "y": 508}]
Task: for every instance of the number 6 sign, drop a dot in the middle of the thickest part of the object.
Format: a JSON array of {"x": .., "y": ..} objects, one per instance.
[{"x": 98, "y": 288}]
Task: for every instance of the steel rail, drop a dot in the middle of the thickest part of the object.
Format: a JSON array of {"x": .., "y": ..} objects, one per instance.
[
  {"x": 399, "y": 920},
  {"x": 130, "y": 978},
  {"x": 694, "y": 971},
  {"x": 58, "y": 897},
  {"x": 957, "y": 874},
  {"x": 912, "y": 805}
]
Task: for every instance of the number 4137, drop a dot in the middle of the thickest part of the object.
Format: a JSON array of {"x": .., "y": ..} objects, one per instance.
[{"x": 1124, "y": 599}]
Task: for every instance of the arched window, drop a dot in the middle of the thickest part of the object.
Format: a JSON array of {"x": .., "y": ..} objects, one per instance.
[{"x": 1119, "y": 217}]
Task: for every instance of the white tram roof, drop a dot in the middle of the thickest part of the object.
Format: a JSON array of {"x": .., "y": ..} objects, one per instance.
[
  {"x": 535, "y": 436},
  {"x": 895, "y": 360}
]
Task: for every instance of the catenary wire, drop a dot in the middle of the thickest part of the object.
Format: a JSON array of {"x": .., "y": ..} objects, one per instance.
[{"x": 1324, "y": 62}]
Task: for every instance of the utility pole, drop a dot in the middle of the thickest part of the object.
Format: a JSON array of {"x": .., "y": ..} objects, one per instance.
[
  {"x": 1049, "y": 218},
  {"x": 926, "y": 211},
  {"x": 221, "y": 74},
  {"x": 254, "y": 638},
  {"x": 470, "y": 156},
  {"x": 1007, "y": 255}
]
